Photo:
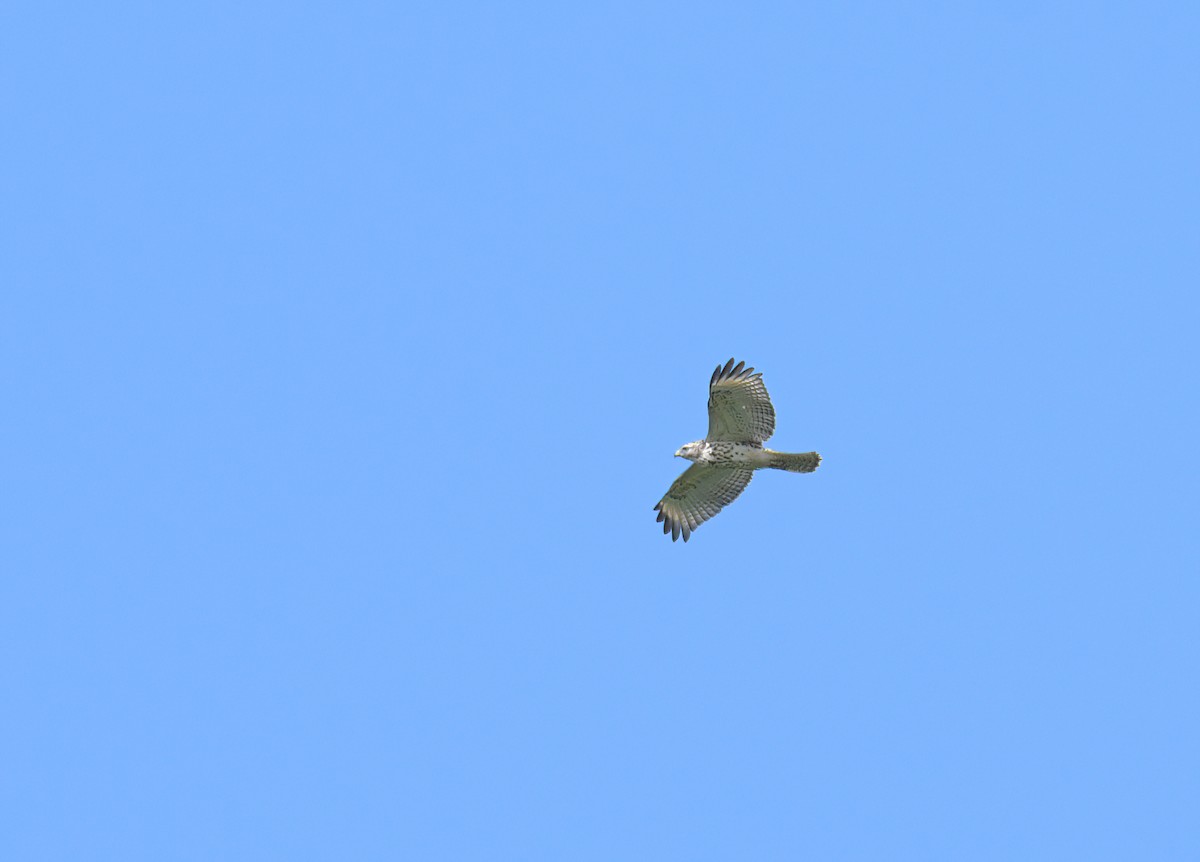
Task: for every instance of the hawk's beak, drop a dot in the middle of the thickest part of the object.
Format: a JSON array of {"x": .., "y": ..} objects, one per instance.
[{"x": 678, "y": 453}]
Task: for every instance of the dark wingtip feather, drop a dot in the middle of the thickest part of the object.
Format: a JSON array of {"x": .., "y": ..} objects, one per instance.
[{"x": 728, "y": 366}]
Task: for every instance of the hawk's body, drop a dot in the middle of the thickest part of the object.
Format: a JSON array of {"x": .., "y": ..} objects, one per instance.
[
  {"x": 740, "y": 420},
  {"x": 721, "y": 453}
]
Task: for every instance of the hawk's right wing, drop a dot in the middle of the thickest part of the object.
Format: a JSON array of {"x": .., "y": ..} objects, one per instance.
[
  {"x": 698, "y": 494},
  {"x": 739, "y": 409}
]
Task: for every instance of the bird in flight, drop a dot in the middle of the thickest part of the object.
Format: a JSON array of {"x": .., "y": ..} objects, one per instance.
[{"x": 740, "y": 420}]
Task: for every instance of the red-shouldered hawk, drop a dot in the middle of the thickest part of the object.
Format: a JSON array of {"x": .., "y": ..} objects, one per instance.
[{"x": 740, "y": 420}]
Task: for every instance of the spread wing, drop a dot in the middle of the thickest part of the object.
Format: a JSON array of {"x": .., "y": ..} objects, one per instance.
[
  {"x": 739, "y": 408},
  {"x": 698, "y": 494}
]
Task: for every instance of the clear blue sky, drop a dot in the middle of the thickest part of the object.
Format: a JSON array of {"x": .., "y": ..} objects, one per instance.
[{"x": 345, "y": 349}]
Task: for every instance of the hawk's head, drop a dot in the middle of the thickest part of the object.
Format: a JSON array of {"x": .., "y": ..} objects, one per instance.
[{"x": 691, "y": 451}]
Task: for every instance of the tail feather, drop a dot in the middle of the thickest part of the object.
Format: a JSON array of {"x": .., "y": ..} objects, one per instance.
[{"x": 804, "y": 462}]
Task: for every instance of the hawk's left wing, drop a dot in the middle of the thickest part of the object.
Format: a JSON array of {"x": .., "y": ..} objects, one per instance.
[
  {"x": 698, "y": 494},
  {"x": 739, "y": 409}
]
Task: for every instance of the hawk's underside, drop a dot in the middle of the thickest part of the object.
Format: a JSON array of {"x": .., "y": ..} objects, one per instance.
[{"x": 740, "y": 420}]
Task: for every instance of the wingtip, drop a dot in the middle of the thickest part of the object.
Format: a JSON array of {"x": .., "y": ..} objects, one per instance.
[{"x": 732, "y": 370}]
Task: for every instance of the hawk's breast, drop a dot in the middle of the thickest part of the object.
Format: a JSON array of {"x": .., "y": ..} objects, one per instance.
[{"x": 721, "y": 453}]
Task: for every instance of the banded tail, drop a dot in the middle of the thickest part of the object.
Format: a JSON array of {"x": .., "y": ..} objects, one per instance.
[{"x": 804, "y": 462}]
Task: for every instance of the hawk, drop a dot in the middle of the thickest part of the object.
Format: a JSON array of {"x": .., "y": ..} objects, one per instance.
[{"x": 740, "y": 420}]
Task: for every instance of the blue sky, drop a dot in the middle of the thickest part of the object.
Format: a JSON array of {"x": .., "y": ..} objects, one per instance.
[{"x": 346, "y": 348}]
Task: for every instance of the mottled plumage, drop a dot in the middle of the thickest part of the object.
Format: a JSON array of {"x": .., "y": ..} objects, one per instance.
[{"x": 740, "y": 420}]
